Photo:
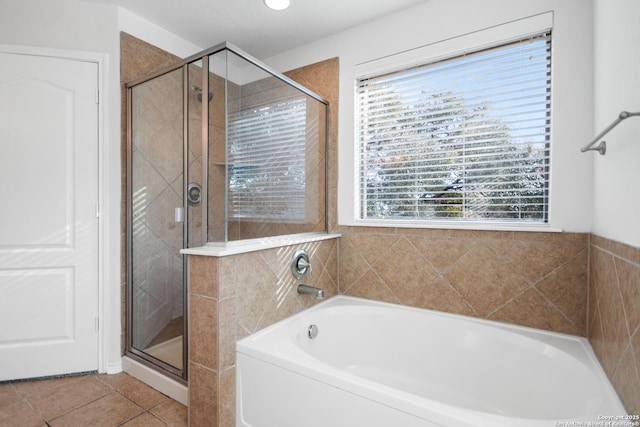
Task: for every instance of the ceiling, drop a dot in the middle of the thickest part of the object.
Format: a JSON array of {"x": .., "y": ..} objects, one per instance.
[{"x": 253, "y": 27}]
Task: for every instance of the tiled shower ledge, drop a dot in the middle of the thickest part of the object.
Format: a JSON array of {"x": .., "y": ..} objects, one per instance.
[{"x": 251, "y": 245}]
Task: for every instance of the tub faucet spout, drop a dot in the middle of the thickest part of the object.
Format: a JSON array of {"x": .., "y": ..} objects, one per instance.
[{"x": 310, "y": 290}]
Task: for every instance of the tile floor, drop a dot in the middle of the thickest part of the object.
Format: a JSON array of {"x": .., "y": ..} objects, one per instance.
[{"x": 88, "y": 400}]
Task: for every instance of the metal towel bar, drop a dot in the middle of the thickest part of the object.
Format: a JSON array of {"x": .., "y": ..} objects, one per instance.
[{"x": 602, "y": 147}]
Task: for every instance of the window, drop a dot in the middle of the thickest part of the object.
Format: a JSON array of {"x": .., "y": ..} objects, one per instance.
[
  {"x": 464, "y": 138},
  {"x": 267, "y": 154}
]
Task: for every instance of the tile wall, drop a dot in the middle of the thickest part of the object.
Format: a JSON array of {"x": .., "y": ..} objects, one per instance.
[
  {"x": 216, "y": 227},
  {"x": 322, "y": 78},
  {"x": 530, "y": 279},
  {"x": 156, "y": 189},
  {"x": 195, "y": 211},
  {"x": 614, "y": 315},
  {"x": 232, "y": 297},
  {"x": 137, "y": 59}
]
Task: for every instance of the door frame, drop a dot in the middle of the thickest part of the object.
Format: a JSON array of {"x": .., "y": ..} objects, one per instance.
[{"x": 108, "y": 238}]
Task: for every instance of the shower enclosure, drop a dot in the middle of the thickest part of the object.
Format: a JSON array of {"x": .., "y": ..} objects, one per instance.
[{"x": 220, "y": 149}]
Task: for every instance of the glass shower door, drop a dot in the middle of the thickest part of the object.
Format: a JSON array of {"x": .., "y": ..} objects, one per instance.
[{"x": 157, "y": 280}]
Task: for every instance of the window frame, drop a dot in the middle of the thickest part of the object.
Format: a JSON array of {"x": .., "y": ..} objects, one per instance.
[{"x": 449, "y": 48}]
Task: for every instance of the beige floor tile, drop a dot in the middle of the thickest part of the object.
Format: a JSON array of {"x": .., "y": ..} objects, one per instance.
[
  {"x": 88, "y": 400},
  {"x": 173, "y": 413},
  {"x": 56, "y": 397},
  {"x": 19, "y": 413},
  {"x": 117, "y": 381},
  {"x": 109, "y": 411},
  {"x": 145, "y": 420},
  {"x": 143, "y": 395},
  {"x": 8, "y": 395}
]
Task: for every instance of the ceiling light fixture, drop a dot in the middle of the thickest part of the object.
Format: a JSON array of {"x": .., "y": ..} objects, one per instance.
[{"x": 277, "y": 4}]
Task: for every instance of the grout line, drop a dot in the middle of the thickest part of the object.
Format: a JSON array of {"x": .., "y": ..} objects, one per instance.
[
  {"x": 462, "y": 298},
  {"x": 619, "y": 291},
  {"x": 475, "y": 244},
  {"x": 615, "y": 254},
  {"x": 570, "y": 322},
  {"x": 562, "y": 265},
  {"x": 587, "y": 324},
  {"x": 28, "y": 402},
  {"x": 507, "y": 302}
]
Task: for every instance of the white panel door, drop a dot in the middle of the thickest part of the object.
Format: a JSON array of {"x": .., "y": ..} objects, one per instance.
[{"x": 49, "y": 227}]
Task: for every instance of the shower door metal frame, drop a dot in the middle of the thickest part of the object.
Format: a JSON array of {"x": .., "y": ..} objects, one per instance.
[
  {"x": 130, "y": 351},
  {"x": 203, "y": 56}
]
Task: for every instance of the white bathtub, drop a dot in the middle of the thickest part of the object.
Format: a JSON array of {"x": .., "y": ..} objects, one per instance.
[{"x": 375, "y": 364}]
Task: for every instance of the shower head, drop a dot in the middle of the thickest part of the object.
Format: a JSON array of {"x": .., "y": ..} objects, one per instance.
[{"x": 198, "y": 90}]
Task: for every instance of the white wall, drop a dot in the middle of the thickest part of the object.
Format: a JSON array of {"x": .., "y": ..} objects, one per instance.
[
  {"x": 617, "y": 87},
  {"x": 74, "y": 25},
  {"x": 436, "y": 20},
  {"x": 145, "y": 30}
]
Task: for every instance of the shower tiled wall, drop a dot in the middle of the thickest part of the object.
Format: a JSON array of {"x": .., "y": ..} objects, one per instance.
[
  {"x": 232, "y": 297},
  {"x": 156, "y": 187},
  {"x": 137, "y": 59},
  {"x": 194, "y": 174},
  {"x": 531, "y": 279},
  {"x": 216, "y": 227},
  {"x": 614, "y": 315},
  {"x": 322, "y": 78}
]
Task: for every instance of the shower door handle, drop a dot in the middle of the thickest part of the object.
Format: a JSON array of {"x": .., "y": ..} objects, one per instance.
[{"x": 179, "y": 214}]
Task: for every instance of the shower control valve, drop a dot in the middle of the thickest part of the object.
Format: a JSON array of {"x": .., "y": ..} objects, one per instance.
[
  {"x": 304, "y": 266},
  {"x": 300, "y": 264},
  {"x": 194, "y": 193}
]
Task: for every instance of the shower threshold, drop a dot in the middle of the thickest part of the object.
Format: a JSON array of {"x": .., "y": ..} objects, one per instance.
[
  {"x": 156, "y": 380},
  {"x": 169, "y": 351}
]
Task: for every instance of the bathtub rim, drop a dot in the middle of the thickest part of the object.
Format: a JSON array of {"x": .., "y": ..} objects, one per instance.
[{"x": 347, "y": 300}]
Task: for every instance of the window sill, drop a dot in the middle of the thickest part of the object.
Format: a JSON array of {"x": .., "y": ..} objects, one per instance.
[{"x": 457, "y": 225}]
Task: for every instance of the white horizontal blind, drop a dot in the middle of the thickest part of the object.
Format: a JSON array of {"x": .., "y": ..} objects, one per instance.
[
  {"x": 267, "y": 161},
  {"x": 466, "y": 138}
]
